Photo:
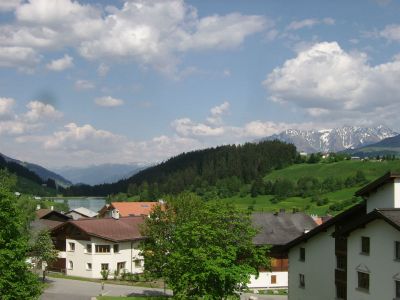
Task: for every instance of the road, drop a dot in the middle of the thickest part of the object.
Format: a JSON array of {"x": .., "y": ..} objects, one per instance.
[{"x": 66, "y": 289}]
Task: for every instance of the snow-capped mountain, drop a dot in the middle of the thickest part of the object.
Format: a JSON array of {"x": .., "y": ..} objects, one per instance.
[{"x": 333, "y": 140}]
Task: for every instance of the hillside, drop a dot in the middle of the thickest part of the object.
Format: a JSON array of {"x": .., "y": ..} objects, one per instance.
[
  {"x": 230, "y": 166},
  {"x": 28, "y": 182},
  {"x": 322, "y": 203},
  {"x": 40, "y": 171}
]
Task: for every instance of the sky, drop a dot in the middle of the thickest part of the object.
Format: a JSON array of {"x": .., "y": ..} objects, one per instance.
[{"x": 86, "y": 82}]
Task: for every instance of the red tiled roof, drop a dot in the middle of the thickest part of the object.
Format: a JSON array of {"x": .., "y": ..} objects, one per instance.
[
  {"x": 116, "y": 230},
  {"x": 134, "y": 208},
  {"x": 40, "y": 213}
]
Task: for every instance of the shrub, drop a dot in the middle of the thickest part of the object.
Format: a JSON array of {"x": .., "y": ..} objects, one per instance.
[{"x": 104, "y": 274}]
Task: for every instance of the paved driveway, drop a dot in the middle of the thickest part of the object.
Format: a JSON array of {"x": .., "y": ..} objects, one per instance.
[{"x": 67, "y": 289}]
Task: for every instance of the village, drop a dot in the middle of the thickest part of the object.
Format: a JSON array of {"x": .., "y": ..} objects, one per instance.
[{"x": 358, "y": 249}]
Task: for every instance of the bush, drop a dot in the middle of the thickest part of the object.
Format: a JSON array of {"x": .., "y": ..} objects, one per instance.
[{"x": 104, "y": 274}]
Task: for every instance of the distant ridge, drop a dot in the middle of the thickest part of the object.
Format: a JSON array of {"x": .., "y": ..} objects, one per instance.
[
  {"x": 389, "y": 146},
  {"x": 42, "y": 172},
  {"x": 335, "y": 139},
  {"x": 99, "y": 174}
]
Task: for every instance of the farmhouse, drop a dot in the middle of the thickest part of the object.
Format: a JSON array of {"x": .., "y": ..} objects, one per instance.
[
  {"x": 355, "y": 255},
  {"x": 128, "y": 209},
  {"x": 277, "y": 229},
  {"x": 88, "y": 246},
  {"x": 81, "y": 212}
]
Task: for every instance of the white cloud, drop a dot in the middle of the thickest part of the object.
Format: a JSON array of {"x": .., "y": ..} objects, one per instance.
[
  {"x": 103, "y": 69},
  {"x": 217, "y": 112},
  {"x": 76, "y": 138},
  {"x": 186, "y": 127},
  {"x": 8, "y": 5},
  {"x": 6, "y": 107},
  {"x": 38, "y": 111},
  {"x": 108, "y": 101},
  {"x": 61, "y": 64},
  {"x": 37, "y": 115},
  {"x": 149, "y": 32},
  {"x": 84, "y": 85},
  {"x": 308, "y": 23},
  {"x": 391, "y": 32},
  {"x": 328, "y": 82},
  {"x": 223, "y": 31},
  {"x": 25, "y": 59}
]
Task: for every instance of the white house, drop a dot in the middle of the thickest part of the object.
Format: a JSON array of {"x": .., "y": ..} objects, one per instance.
[
  {"x": 88, "y": 246},
  {"x": 355, "y": 255},
  {"x": 276, "y": 229},
  {"x": 81, "y": 212}
]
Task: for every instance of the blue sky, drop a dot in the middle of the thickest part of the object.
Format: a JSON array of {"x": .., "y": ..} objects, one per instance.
[{"x": 90, "y": 82}]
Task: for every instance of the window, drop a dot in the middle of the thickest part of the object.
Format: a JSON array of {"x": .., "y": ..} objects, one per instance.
[
  {"x": 397, "y": 283},
  {"x": 363, "y": 281},
  {"x": 273, "y": 279},
  {"x": 104, "y": 266},
  {"x": 71, "y": 246},
  {"x": 365, "y": 245},
  {"x": 116, "y": 248},
  {"x": 70, "y": 264},
  {"x": 302, "y": 282},
  {"x": 341, "y": 263},
  {"x": 138, "y": 263},
  {"x": 302, "y": 254},
  {"x": 397, "y": 250},
  {"x": 120, "y": 266},
  {"x": 102, "y": 248},
  {"x": 88, "y": 266},
  {"x": 88, "y": 248}
]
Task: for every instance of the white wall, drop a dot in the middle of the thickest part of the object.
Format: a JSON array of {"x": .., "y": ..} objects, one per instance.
[
  {"x": 381, "y": 264},
  {"x": 318, "y": 268},
  {"x": 383, "y": 197},
  {"x": 264, "y": 280},
  {"x": 128, "y": 252}
]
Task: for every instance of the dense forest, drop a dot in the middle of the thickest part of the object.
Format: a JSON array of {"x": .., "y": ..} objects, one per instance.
[{"x": 226, "y": 167}]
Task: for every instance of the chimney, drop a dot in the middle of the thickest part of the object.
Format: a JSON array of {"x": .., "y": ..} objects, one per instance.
[
  {"x": 38, "y": 207},
  {"x": 52, "y": 207},
  {"x": 115, "y": 214}
]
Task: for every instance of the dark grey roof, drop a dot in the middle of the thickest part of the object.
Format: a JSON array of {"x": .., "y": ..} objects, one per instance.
[
  {"x": 389, "y": 215},
  {"x": 280, "y": 228}
]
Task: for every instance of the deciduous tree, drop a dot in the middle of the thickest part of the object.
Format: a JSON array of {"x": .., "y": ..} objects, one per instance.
[{"x": 201, "y": 249}]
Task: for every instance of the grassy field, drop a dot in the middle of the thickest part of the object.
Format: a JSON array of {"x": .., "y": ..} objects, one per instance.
[{"x": 344, "y": 169}]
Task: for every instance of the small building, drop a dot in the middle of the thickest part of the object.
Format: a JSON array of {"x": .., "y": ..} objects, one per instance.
[
  {"x": 81, "y": 212},
  {"x": 354, "y": 255},
  {"x": 277, "y": 229},
  {"x": 128, "y": 209},
  {"x": 47, "y": 219},
  {"x": 88, "y": 246}
]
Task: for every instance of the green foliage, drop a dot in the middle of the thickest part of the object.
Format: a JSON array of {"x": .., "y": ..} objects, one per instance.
[
  {"x": 104, "y": 274},
  {"x": 43, "y": 249},
  {"x": 201, "y": 249},
  {"x": 16, "y": 281},
  {"x": 223, "y": 166}
]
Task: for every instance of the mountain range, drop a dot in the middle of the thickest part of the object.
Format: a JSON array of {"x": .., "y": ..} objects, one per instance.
[
  {"x": 43, "y": 173},
  {"x": 99, "y": 174},
  {"x": 335, "y": 139}
]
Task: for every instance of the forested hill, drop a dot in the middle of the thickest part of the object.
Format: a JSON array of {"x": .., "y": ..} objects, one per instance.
[{"x": 229, "y": 165}]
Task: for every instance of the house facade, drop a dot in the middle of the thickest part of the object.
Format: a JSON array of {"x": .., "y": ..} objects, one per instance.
[
  {"x": 88, "y": 246},
  {"x": 126, "y": 209},
  {"x": 355, "y": 255},
  {"x": 276, "y": 229}
]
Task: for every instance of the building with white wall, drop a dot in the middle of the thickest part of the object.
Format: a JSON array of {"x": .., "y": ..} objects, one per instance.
[
  {"x": 88, "y": 246},
  {"x": 276, "y": 229},
  {"x": 355, "y": 255}
]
